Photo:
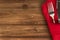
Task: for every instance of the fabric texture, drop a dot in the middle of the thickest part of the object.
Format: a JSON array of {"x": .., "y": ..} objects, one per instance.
[{"x": 53, "y": 28}]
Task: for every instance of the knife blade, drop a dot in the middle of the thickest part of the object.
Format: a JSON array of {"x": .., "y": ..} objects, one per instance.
[
  {"x": 58, "y": 8},
  {"x": 51, "y": 11}
]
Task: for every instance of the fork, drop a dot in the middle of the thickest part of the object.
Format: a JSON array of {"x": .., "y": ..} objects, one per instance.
[{"x": 51, "y": 11}]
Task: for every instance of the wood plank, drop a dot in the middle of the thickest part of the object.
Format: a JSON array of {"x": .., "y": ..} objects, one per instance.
[
  {"x": 13, "y": 35},
  {"x": 14, "y": 13},
  {"x": 25, "y": 38},
  {"x": 20, "y": 16},
  {"x": 18, "y": 5},
  {"x": 22, "y": 20},
  {"x": 23, "y": 30},
  {"x": 18, "y": 1}
]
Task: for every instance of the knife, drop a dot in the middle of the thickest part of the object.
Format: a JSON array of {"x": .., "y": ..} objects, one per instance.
[
  {"x": 58, "y": 8},
  {"x": 51, "y": 11}
]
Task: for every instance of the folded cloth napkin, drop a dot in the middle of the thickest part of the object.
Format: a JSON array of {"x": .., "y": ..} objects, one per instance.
[{"x": 54, "y": 28}]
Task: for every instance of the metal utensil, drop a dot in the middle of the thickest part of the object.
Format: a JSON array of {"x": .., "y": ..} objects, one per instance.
[
  {"x": 58, "y": 8},
  {"x": 51, "y": 11}
]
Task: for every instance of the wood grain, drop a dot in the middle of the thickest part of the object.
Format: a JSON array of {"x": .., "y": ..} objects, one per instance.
[
  {"x": 15, "y": 13},
  {"x": 25, "y": 39},
  {"x": 19, "y": 16},
  {"x": 22, "y": 20},
  {"x": 18, "y": 1},
  {"x": 23, "y": 30}
]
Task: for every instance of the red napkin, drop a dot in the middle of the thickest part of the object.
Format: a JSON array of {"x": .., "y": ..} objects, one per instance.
[{"x": 54, "y": 28}]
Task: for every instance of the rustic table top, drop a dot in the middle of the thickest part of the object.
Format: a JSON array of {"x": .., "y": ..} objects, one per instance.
[{"x": 22, "y": 20}]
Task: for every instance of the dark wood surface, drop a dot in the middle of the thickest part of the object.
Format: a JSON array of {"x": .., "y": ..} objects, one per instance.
[{"x": 22, "y": 20}]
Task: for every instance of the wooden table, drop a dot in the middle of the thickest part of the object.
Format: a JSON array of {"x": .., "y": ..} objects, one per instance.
[{"x": 22, "y": 20}]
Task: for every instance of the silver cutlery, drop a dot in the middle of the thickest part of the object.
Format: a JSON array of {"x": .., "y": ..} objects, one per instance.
[
  {"x": 58, "y": 8},
  {"x": 51, "y": 11}
]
